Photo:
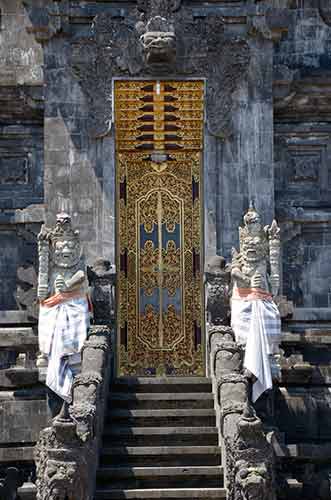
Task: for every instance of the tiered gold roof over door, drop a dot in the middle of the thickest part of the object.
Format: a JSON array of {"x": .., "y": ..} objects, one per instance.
[{"x": 159, "y": 141}]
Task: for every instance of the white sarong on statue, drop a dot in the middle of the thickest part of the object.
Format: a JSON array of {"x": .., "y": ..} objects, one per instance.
[
  {"x": 257, "y": 326},
  {"x": 62, "y": 331}
]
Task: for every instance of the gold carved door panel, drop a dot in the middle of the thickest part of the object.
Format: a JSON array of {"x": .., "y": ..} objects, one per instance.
[{"x": 159, "y": 142}]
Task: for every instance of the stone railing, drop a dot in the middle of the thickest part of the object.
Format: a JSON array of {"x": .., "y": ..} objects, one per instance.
[
  {"x": 247, "y": 455},
  {"x": 67, "y": 451}
]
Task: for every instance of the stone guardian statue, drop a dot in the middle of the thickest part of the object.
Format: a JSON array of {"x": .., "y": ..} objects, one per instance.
[
  {"x": 64, "y": 305},
  {"x": 255, "y": 318}
]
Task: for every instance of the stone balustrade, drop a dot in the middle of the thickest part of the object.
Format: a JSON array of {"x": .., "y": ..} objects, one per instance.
[
  {"x": 67, "y": 452},
  {"x": 247, "y": 455}
]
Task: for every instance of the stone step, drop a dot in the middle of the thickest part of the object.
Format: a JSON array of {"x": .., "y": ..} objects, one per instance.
[
  {"x": 305, "y": 374},
  {"x": 305, "y": 452},
  {"x": 162, "y": 455},
  {"x": 24, "y": 337},
  {"x": 163, "y": 417},
  {"x": 161, "y": 384},
  {"x": 172, "y": 493},
  {"x": 160, "y": 477},
  {"x": 175, "y": 418},
  {"x": 158, "y": 436},
  {"x": 310, "y": 336},
  {"x": 161, "y": 400}
]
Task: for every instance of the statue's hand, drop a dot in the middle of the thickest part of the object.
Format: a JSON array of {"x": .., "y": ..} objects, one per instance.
[
  {"x": 42, "y": 292},
  {"x": 274, "y": 282},
  {"x": 257, "y": 281},
  {"x": 60, "y": 284}
]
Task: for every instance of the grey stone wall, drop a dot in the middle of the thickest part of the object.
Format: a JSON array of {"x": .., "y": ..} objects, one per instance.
[
  {"x": 302, "y": 62},
  {"x": 21, "y": 152}
]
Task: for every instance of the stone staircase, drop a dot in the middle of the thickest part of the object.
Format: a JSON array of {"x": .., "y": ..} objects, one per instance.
[
  {"x": 160, "y": 441},
  {"x": 302, "y": 406}
]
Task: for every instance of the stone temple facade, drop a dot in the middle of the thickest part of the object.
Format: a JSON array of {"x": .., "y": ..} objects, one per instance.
[{"x": 238, "y": 94}]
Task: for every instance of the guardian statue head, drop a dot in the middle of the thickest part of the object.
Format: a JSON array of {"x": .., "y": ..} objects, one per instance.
[
  {"x": 254, "y": 245},
  {"x": 64, "y": 243},
  {"x": 157, "y": 32}
]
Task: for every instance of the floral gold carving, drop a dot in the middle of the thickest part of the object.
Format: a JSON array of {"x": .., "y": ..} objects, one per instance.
[{"x": 159, "y": 230}]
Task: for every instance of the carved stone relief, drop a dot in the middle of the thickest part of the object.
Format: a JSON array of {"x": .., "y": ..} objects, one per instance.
[
  {"x": 146, "y": 44},
  {"x": 305, "y": 167}
]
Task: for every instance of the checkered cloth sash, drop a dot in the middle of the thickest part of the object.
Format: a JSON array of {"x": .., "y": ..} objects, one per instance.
[
  {"x": 62, "y": 332},
  {"x": 257, "y": 326}
]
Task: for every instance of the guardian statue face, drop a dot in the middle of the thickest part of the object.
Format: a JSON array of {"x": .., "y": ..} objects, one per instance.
[
  {"x": 159, "y": 42},
  {"x": 253, "y": 239},
  {"x": 254, "y": 248},
  {"x": 65, "y": 244},
  {"x": 66, "y": 253}
]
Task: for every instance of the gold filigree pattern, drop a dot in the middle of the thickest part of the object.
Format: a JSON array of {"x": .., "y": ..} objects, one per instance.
[{"x": 160, "y": 321}]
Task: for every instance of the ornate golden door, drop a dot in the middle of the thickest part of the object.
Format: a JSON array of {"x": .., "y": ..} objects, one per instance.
[{"x": 159, "y": 140}]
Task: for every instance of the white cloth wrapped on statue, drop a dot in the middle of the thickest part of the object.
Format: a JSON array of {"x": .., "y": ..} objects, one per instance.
[
  {"x": 63, "y": 323},
  {"x": 256, "y": 323}
]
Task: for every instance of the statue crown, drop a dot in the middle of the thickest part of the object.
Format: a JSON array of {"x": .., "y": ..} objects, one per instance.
[
  {"x": 252, "y": 226},
  {"x": 63, "y": 229},
  {"x": 252, "y": 216}
]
